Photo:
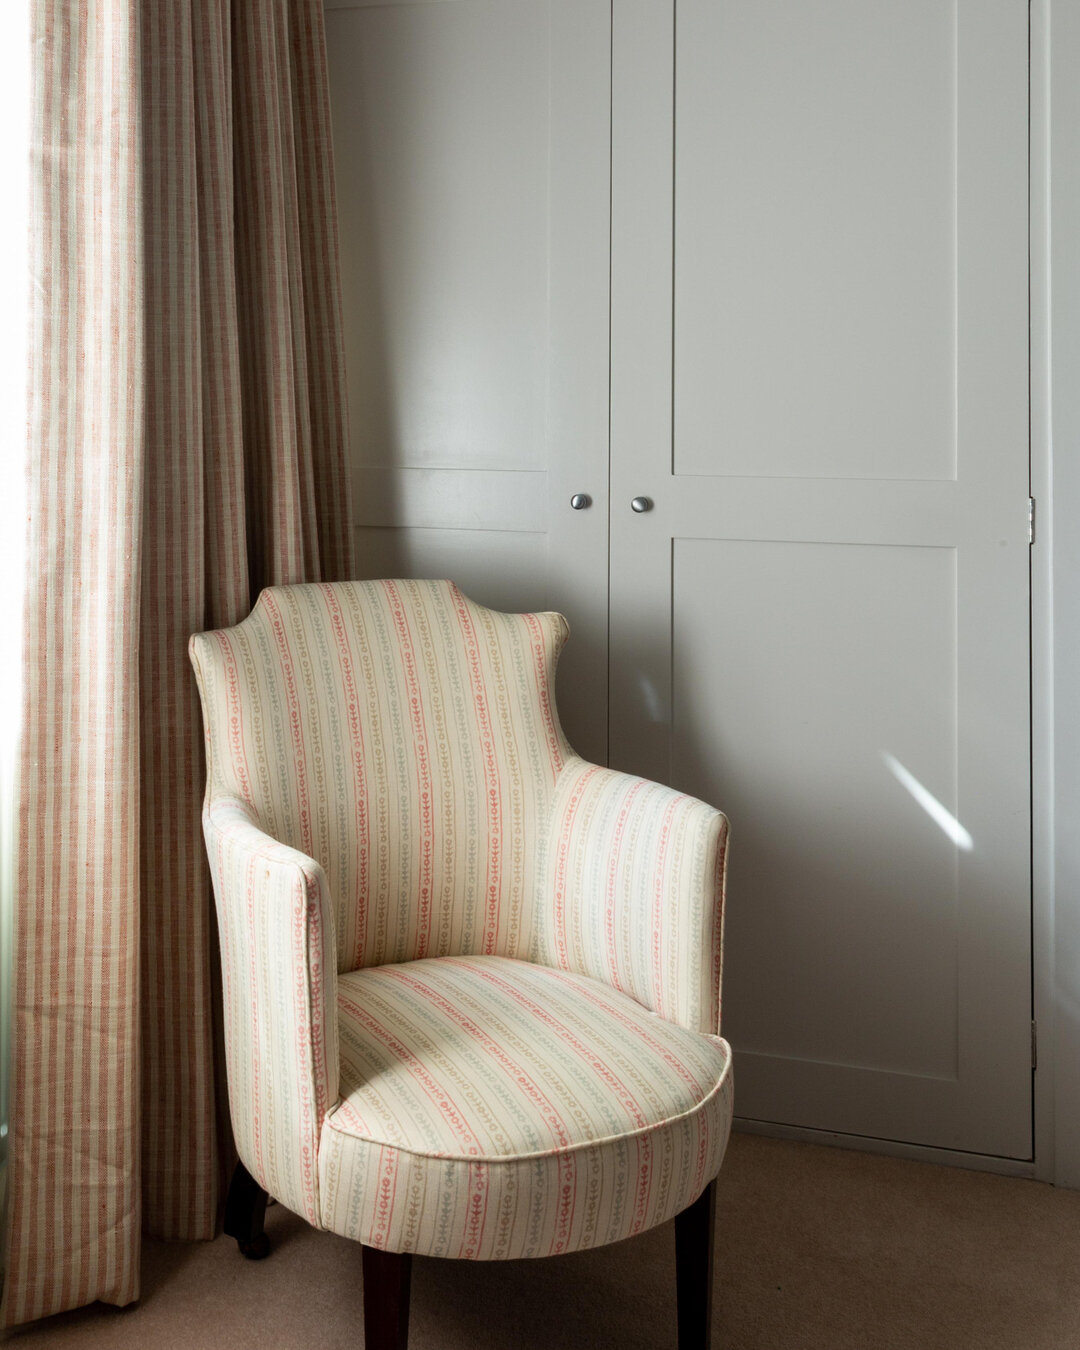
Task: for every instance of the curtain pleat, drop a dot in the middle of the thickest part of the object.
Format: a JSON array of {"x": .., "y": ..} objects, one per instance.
[{"x": 187, "y": 445}]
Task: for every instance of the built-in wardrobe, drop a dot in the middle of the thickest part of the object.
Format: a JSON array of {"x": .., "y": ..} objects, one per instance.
[{"x": 707, "y": 324}]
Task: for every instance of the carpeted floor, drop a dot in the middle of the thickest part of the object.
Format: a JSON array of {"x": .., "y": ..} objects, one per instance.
[{"x": 819, "y": 1249}]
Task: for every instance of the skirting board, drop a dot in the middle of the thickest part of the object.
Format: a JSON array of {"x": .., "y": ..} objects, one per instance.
[{"x": 891, "y": 1148}]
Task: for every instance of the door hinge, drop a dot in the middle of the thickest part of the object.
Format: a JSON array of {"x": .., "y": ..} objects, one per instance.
[
  {"x": 1034, "y": 1045},
  {"x": 1031, "y": 520}
]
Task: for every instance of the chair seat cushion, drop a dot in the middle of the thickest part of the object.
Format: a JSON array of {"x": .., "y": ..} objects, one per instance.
[{"x": 492, "y": 1108}]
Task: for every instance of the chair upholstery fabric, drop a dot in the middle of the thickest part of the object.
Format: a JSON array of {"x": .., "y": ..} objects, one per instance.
[
  {"x": 407, "y": 740},
  {"x": 495, "y": 1108},
  {"x": 279, "y": 996},
  {"x": 635, "y": 890},
  {"x": 395, "y": 821}
]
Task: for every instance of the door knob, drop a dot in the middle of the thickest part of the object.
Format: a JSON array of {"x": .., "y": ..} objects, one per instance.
[
  {"x": 640, "y": 504},
  {"x": 580, "y": 500}
]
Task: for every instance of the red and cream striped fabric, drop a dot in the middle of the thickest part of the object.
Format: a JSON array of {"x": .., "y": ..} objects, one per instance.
[
  {"x": 526, "y": 948},
  {"x": 406, "y": 739},
  {"x": 186, "y": 446},
  {"x": 498, "y": 1109},
  {"x": 634, "y": 888},
  {"x": 279, "y": 987}
]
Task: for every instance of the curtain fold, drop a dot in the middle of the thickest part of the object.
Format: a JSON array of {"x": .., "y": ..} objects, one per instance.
[{"x": 187, "y": 445}]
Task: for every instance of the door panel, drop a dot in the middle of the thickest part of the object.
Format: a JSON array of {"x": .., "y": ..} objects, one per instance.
[
  {"x": 848, "y": 109},
  {"x": 821, "y": 625},
  {"x": 818, "y": 761},
  {"x": 472, "y": 142}
]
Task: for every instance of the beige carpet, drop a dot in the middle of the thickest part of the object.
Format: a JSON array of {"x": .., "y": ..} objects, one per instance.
[{"x": 819, "y": 1249}]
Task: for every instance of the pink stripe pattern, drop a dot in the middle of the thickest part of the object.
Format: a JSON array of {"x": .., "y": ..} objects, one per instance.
[
  {"x": 341, "y": 683},
  {"x": 634, "y": 887},
  {"x": 472, "y": 983},
  {"x": 279, "y": 986},
  {"x": 187, "y": 444},
  {"x": 580, "y": 1116}
]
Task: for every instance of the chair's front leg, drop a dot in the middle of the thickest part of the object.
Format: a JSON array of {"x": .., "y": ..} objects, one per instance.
[
  {"x": 694, "y": 1270},
  {"x": 245, "y": 1209},
  {"x": 387, "y": 1276}
]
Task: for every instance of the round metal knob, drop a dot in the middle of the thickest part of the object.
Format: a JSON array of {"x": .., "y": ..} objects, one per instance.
[
  {"x": 580, "y": 500},
  {"x": 640, "y": 504}
]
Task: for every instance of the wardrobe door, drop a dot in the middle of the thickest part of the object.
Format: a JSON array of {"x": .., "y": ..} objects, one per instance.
[
  {"x": 819, "y": 310},
  {"x": 472, "y": 151}
]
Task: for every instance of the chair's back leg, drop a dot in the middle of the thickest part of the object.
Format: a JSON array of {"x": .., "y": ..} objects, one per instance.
[
  {"x": 387, "y": 1276},
  {"x": 694, "y": 1270},
  {"x": 245, "y": 1210}
]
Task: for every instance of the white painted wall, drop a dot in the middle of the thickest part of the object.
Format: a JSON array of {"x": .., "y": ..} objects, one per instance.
[{"x": 1056, "y": 579}]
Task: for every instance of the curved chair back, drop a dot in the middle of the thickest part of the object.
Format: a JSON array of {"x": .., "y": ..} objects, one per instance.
[{"x": 407, "y": 740}]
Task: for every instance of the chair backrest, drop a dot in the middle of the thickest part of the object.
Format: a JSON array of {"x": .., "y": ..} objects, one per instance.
[{"x": 407, "y": 740}]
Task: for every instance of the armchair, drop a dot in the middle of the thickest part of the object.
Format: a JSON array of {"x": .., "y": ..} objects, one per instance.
[{"x": 471, "y": 982}]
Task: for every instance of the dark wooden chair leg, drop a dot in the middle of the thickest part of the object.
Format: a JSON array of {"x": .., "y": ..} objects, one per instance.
[
  {"x": 387, "y": 1276},
  {"x": 245, "y": 1209},
  {"x": 694, "y": 1270}
]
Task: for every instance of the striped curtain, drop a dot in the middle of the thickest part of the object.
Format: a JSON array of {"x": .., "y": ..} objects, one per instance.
[{"x": 187, "y": 446}]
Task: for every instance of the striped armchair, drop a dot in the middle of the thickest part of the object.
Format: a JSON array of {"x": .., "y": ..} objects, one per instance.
[{"x": 471, "y": 982}]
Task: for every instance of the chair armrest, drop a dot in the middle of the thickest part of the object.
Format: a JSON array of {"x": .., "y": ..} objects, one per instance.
[
  {"x": 279, "y": 979},
  {"x": 634, "y": 891}
]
